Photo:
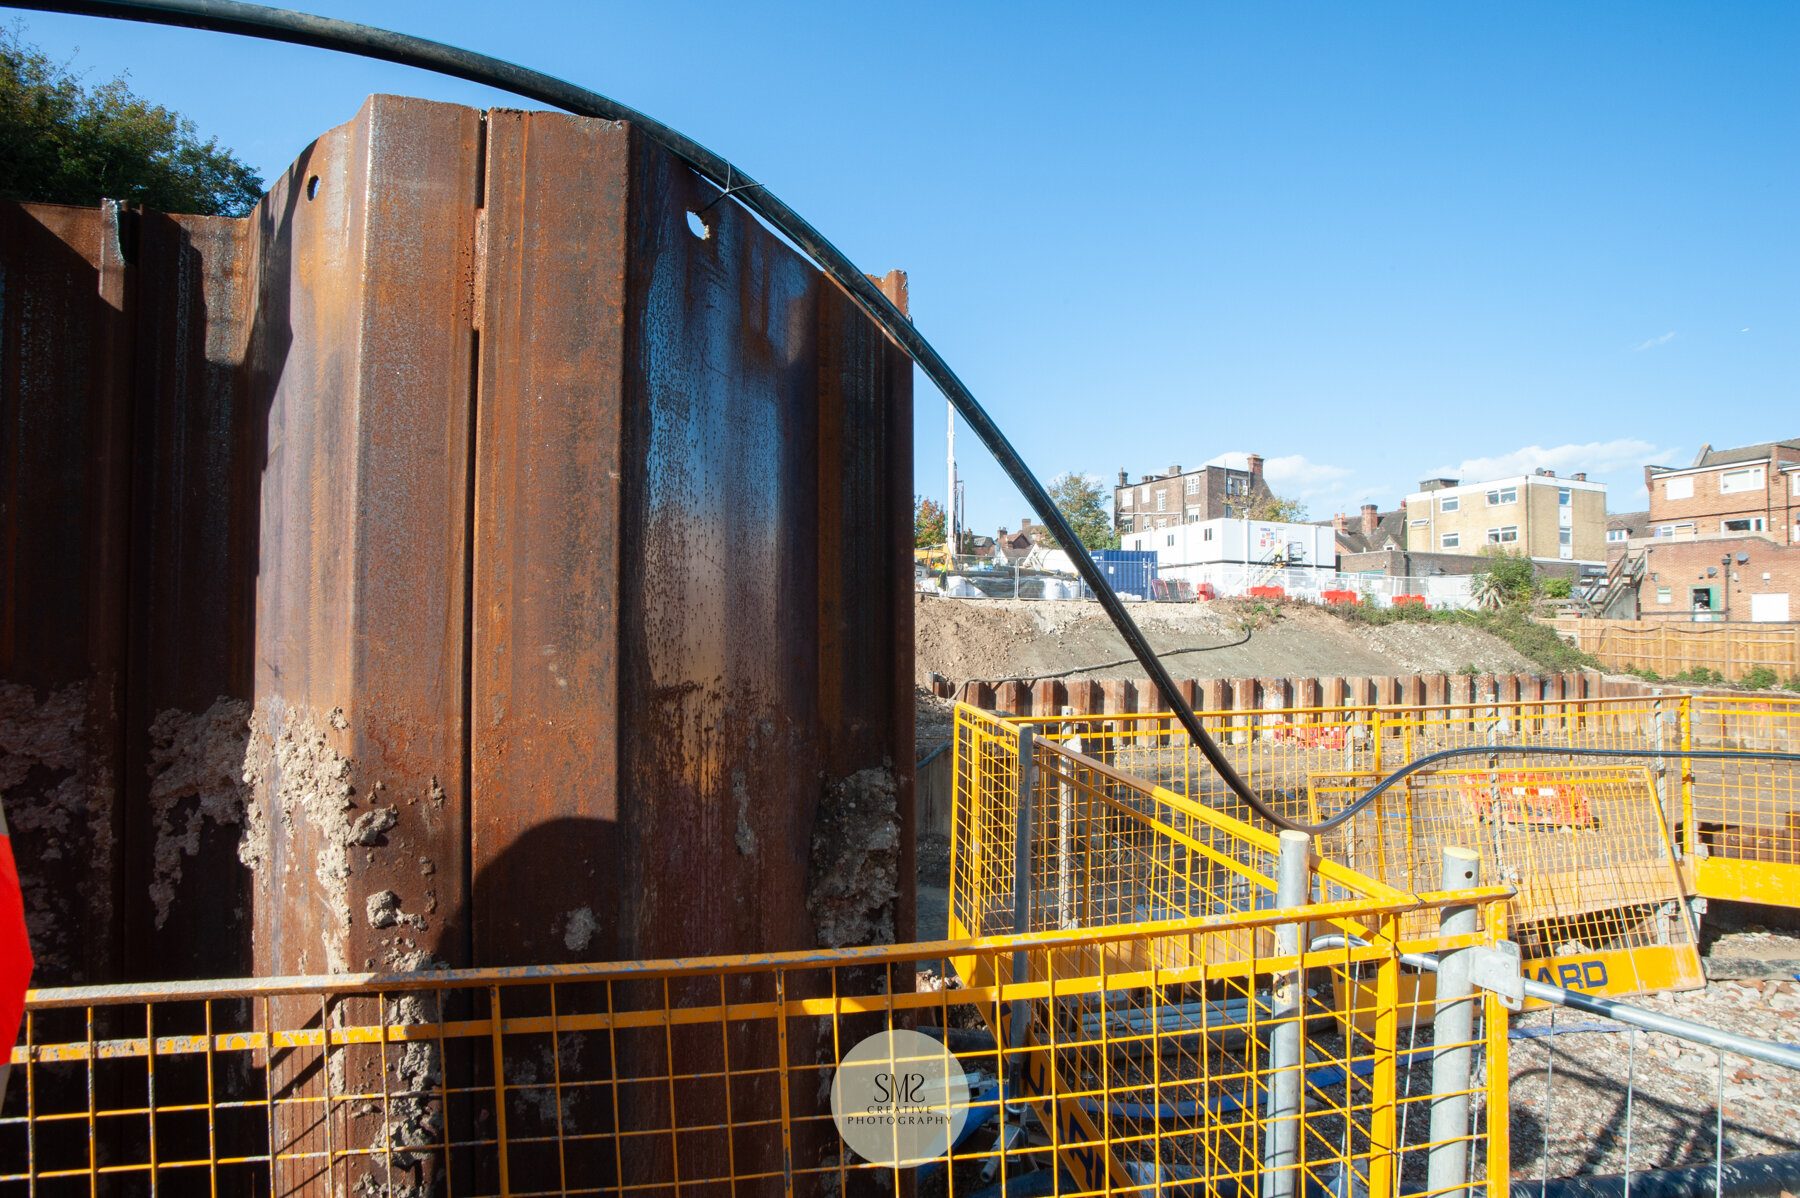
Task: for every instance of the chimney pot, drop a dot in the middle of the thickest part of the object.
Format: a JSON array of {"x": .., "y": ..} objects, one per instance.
[
  {"x": 1371, "y": 519},
  {"x": 1340, "y": 523},
  {"x": 1580, "y": 478}
]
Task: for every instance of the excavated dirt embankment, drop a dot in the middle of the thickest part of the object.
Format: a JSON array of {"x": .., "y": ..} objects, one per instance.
[{"x": 1006, "y": 638}]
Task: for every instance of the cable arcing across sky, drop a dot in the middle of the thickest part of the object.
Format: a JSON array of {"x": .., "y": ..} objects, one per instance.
[{"x": 252, "y": 20}]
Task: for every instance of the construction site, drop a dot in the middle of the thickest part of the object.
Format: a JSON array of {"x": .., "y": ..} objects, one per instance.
[{"x": 467, "y": 728}]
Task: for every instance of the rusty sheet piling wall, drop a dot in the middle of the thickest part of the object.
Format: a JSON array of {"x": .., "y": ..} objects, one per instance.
[{"x": 456, "y": 561}]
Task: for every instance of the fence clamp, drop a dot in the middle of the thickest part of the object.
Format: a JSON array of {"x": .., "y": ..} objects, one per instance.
[{"x": 1497, "y": 969}]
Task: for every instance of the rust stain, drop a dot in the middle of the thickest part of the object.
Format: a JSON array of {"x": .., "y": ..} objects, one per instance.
[{"x": 512, "y": 577}]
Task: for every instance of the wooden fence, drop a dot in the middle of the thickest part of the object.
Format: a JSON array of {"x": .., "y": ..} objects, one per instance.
[{"x": 1669, "y": 649}]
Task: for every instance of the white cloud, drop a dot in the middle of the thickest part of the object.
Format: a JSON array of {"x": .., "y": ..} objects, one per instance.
[
  {"x": 1294, "y": 475},
  {"x": 1656, "y": 341},
  {"x": 1596, "y": 457}
]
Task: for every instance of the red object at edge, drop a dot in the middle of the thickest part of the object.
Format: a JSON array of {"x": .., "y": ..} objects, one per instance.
[{"x": 15, "y": 947}]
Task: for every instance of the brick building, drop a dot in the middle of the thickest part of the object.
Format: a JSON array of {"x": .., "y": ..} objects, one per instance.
[
  {"x": 1375, "y": 531},
  {"x": 1721, "y": 539},
  {"x": 1621, "y": 528},
  {"x": 1180, "y": 496},
  {"x": 1754, "y": 490},
  {"x": 1687, "y": 580}
]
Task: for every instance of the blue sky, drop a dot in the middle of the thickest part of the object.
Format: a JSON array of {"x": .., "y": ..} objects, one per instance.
[{"x": 1373, "y": 243}]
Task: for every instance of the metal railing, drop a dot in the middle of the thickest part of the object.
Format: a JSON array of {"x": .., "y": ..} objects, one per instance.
[
  {"x": 1146, "y": 1055},
  {"x": 1272, "y": 1067},
  {"x": 1733, "y": 828},
  {"x": 994, "y": 578}
]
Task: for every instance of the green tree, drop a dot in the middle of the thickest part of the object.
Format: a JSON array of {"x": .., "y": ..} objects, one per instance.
[
  {"x": 63, "y": 144},
  {"x": 928, "y": 523},
  {"x": 1079, "y": 499},
  {"x": 1276, "y": 508},
  {"x": 1507, "y": 579}
]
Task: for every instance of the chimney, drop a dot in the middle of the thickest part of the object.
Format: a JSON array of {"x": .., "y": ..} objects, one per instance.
[
  {"x": 1580, "y": 478},
  {"x": 1025, "y": 525},
  {"x": 1371, "y": 520},
  {"x": 1340, "y": 523},
  {"x": 1255, "y": 466},
  {"x": 1124, "y": 478}
]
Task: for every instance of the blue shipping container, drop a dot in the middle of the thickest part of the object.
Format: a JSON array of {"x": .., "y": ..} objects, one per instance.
[{"x": 1130, "y": 571}]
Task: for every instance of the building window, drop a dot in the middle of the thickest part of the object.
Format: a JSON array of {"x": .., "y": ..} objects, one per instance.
[
  {"x": 1451, "y": 504},
  {"x": 1171, "y": 540},
  {"x": 1452, "y": 540},
  {"x": 1618, "y": 534},
  {"x": 1162, "y": 500},
  {"x": 1679, "y": 488},
  {"x": 1193, "y": 484},
  {"x": 1503, "y": 496},
  {"x": 1750, "y": 524},
  {"x": 1563, "y": 537},
  {"x": 1420, "y": 523},
  {"x": 1563, "y": 496},
  {"x": 1206, "y": 534},
  {"x": 1143, "y": 494},
  {"x": 1702, "y": 598},
  {"x": 1504, "y": 535},
  {"x": 1734, "y": 481},
  {"x": 1665, "y": 594},
  {"x": 1125, "y": 498}
]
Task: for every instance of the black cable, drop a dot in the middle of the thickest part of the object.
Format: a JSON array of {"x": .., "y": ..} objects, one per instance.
[
  {"x": 1107, "y": 665},
  {"x": 1413, "y": 767},
  {"x": 283, "y": 25}
]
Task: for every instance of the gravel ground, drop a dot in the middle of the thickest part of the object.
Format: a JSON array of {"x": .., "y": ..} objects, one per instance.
[{"x": 1569, "y": 1091}]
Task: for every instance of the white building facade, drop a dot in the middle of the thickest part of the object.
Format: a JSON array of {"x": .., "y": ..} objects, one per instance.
[{"x": 1232, "y": 555}]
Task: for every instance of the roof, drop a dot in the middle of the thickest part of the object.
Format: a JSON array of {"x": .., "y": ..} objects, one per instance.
[
  {"x": 1724, "y": 457},
  {"x": 1627, "y": 520},
  {"x": 1749, "y": 453},
  {"x": 1533, "y": 480},
  {"x": 1390, "y": 529}
]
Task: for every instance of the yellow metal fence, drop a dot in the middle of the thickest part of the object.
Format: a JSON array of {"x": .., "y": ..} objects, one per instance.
[
  {"x": 1732, "y": 827},
  {"x": 1104, "y": 848},
  {"x": 1130, "y": 1030}
]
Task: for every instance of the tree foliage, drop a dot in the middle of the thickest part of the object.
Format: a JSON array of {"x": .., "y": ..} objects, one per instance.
[
  {"x": 1505, "y": 580},
  {"x": 1277, "y": 509},
  {"x": 1083, "y": 505},
  {"x": 64, "y": 144},
  {"x": 928, "y": 523}
]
